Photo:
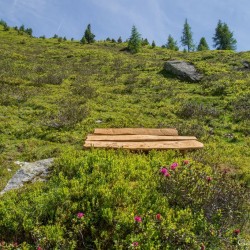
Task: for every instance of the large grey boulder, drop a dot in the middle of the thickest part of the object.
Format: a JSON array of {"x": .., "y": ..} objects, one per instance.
[
  {"x": 29, "y": 172},
  {"x": 183, "y": 70}
]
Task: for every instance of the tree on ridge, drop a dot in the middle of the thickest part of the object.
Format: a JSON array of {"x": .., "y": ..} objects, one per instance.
[
  {"x": 187, "y": 37},
  {"x": 223, "y": 37},
  {"x": 171, "y": 44},
  {"x": 203, "y": 45},
  {"x": 88, "y": 37},
  {"x": 135, "y": 41}
]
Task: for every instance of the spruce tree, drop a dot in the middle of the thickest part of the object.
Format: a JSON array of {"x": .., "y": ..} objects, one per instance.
[
  {"x": 29, "y": 31},
  {"x": 223, "y": 37},
  {"x": 203, "y": 45},
  {"x": 22, "y": 28},
  {"x": 134, "y": 43},
  {"x": 171, "y": 44},
  {"x": 187, "y": 37},
  {"x": 88, "y": 37},
  {"x": 153, "y": 44},
  {"x": 145, "y": 42},
  {"x": 119, "y": 40},
  {"x": 6, "y": 27}
]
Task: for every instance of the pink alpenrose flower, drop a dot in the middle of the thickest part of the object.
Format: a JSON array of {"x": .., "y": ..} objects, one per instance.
[
  {"x": 209, "y": 178},
  {"x": 236, "y": 231},
  {"x": 80, "y": 215},
  {"x": 158, "y": 216},
  {"x": 163, "y": 170},
  {"x": 135, "y": 244},
  {"x": 138, "y": 219},
  {"x": 173, "y": 166}
]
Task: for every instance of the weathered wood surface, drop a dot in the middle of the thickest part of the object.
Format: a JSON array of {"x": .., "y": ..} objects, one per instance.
[
  {"x": 181, "y": 145},
  {"x": 137, "y": 138},
  {"x": 136, "y": 131}
]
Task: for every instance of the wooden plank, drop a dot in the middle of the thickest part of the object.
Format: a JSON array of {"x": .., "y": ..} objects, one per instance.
[
  {"x": 181, "y": 145},
  {"x": 138, "y": 138},
  {"x": 136, "y": 131}
]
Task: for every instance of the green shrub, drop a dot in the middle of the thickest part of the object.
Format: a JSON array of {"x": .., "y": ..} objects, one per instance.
[
  {"x": 117, "y": 200},
  {"x": 69, "y": 112},
  {"x": 241, "y": 107},
  {"x": 192, "y": 109}
]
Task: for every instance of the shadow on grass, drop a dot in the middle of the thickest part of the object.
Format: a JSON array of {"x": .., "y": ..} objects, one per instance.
[{"x": 167, "y": 74}]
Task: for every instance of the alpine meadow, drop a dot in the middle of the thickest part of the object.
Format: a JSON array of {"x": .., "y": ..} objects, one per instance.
[{"x": 54, "y": 91}]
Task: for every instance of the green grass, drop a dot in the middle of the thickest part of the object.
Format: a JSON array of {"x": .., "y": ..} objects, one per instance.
[{"x": 52, "y": 93}]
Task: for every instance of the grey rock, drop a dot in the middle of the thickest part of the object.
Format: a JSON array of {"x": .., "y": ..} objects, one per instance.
[
  {"x": 183, "y": 70},
  {"x": 29, "y": 172},
  {"x": 246, "y": 64}
]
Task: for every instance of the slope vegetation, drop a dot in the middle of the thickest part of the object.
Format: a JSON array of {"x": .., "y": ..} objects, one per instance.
[{"x": 53, "y": 93}]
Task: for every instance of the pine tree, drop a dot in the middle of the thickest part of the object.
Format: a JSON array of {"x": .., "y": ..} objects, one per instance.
[
  {"x": 22, "y": 28},
  {"x": 153, "y": 44},
  {"x": 134, "y": 43},
  {"x": 144, "y": 42},
  {"x": 119, "y": 40},
  {"x": 223, "y": 37},
  {"x": 29, "y": 31},
  {"x": 171, "y": 44},
  {"x": 187, "y": 37},
  {"x": 203, "y": 45},
  {"x": 88, "y": 37},
  {"x": 6, "y": 27}
]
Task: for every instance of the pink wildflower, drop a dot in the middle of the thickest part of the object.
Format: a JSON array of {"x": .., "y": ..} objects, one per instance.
[
  {"x": 185, "y": 162},
  {"x": 39, "y": 248},
  {"x": 203, "y": 247},
  {"x": 158, "y": 216},
  {"x": 167, "y": 174},
  {"x": 209, "y": 178},
  {"x": 138, "y": 219},
  {"x": 163, "y": 171},
  {"x": 80, "y": 215},
  {"x": 174, "y": 166},
  {"x": 236, "y": 231},
  {"x": 135, "y": 244}
]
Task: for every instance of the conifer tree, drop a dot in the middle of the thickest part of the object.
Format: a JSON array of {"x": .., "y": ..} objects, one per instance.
[
  {"x": 6, "y": 27},
  {"x": 153, "y": 44},
  {"x": 203, "y": 45},
  {"x": 145, "y": 42},
  {"x": 29, "y": 31},
  {"x": 88, "y": 37},
  {"x": 119, "y": 40},
  {"x": 22, "y": 28},
  {"x": 223, "y": 37},
  {"x": 187, "y": 37},
  {"x": 134, "y": 43},
  {"x": 171, "y": 44}
]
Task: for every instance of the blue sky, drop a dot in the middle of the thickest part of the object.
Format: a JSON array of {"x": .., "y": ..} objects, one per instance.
[{"x": 154, "y": 19}]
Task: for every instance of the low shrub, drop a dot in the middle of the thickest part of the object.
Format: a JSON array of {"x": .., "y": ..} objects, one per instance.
[
  {"x": 69, "y": 111},
  {"x": 119, "y": 200},
  {"x": 241, "y": 107},
  {"x": 192, "y": 109}
]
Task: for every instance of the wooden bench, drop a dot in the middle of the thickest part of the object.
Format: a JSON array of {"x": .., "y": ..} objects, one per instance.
[{"x": 141, "y": 139}]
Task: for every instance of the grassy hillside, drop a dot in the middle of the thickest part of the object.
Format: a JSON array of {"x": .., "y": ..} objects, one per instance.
[{"x": 53, "y": 93}]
